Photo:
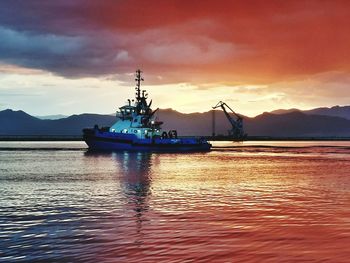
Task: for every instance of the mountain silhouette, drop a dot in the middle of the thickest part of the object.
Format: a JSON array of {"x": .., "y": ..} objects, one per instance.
[
  {"x": 297, "y": 124},
  {"x": 290, "y": 124},
  {"x": 336, "y": 111},
  {"x": 21, "y": 123}
]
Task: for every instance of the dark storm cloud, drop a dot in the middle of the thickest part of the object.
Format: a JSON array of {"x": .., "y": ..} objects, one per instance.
[
  {"x": 63, "y": 54},
  {"x": 57, "y": 17},
  {"x": 56, "y": 36}
]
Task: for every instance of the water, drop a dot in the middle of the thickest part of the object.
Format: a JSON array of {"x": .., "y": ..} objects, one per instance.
[{"x": 250, "y": 202}]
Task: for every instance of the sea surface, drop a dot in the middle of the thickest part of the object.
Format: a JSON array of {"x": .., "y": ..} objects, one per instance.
[{"x": 242, "y": 202}]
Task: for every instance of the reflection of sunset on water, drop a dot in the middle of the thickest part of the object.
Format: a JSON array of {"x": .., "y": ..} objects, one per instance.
[
  {"x": 245, "y": 202},
  {"x": 223, "y": 205}
]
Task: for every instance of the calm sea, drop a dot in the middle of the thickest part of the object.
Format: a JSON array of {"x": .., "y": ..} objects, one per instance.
[{"x": 241, "y": 202}]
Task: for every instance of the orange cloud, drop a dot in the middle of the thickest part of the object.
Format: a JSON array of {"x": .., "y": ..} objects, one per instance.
[{"x": 250, "y": 42}]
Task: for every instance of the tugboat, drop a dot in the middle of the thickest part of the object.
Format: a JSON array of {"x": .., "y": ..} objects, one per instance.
[{"x": 137, "y": 129}]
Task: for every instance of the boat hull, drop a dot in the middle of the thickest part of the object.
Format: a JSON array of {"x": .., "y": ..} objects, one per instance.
[{"x": 108, "y": 141}]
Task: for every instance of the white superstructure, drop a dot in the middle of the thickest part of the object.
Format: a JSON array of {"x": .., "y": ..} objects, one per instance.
[{"x": 137, "y": 116}]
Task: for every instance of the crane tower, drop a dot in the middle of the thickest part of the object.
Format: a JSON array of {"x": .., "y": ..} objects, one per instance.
[{"x": 237, "y": 131}]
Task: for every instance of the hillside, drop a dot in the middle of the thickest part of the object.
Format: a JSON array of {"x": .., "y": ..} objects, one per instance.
[
  {"x": 336, "y": 111},
  {"x": 290, "y": 124},
  {"x": 21, "y": 123}
]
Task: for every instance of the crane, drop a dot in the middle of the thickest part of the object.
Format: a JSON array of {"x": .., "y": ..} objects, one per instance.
[{"x": 237, "y": 131}]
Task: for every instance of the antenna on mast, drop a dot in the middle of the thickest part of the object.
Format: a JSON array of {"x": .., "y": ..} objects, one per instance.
[{"x": 138, "y": 80}]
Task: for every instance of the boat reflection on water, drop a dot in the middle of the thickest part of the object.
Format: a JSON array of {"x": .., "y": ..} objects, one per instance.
[
  {"x": 135, "y": 177},
  {"x": 133, "y": 171}
]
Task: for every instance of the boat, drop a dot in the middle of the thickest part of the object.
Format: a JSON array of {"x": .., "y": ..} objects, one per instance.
[{"x": 138, "y": 129}]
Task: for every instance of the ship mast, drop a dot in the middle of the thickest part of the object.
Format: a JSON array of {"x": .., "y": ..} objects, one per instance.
[{"x": 138, "y": 80}]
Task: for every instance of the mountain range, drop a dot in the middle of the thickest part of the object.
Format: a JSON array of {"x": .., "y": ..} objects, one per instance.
[
  {"x": 336, "y": 111},
  {"x": 320, "y": 122}
]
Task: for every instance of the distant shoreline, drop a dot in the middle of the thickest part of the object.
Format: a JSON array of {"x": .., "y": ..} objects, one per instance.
[{"x": 210, "y": 138}]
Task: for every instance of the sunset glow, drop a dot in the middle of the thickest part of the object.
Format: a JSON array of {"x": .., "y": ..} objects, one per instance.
[{"x": 71, "y": 57}]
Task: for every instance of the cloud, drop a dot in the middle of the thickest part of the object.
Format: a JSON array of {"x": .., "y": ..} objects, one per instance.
[
  {"x": 71, "y": 56},
  {"x": 255, "y": 42},
  {"x": 202, "y": 51},
  {"x": 324, "y": 89},
  {"x": 37, "y": 51},
  {"x": 16, "y": 42},
  {"x": 13, "y": 69}
]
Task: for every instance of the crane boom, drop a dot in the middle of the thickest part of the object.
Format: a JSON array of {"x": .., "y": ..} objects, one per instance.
[{"x": 237, "y": 131}]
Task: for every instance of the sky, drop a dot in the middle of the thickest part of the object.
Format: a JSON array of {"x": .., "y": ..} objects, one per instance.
[{"x": 75, "y": 56}]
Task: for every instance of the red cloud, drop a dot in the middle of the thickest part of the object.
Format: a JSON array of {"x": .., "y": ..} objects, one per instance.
[
  {"x": 229, "y": 41},
  {"x": 277, "y": 39}
]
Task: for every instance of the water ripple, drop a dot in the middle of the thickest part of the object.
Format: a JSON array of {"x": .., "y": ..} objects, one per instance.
[{"x": 234, "y": 204}]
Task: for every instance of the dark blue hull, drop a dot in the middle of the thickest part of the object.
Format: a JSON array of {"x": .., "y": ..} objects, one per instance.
[{"x": 109, "y": 141}]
